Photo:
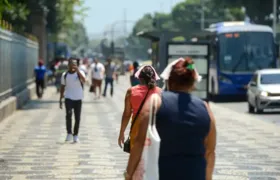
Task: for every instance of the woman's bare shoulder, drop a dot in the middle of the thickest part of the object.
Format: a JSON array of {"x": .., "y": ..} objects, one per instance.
[{"x": 158, "y": 89}]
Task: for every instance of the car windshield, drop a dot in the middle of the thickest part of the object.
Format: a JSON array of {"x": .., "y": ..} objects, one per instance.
[
  {"x": 246, "y": 51},
  {"x": 270, "y": 79}
]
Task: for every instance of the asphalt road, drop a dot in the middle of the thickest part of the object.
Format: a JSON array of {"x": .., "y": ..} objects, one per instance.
[{"x": 272, "y": 116}]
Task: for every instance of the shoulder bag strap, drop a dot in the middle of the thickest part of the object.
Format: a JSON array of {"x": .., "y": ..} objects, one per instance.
[{"x": 139, "y": 110}]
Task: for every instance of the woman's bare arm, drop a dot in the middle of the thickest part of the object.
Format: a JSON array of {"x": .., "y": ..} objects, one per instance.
[
  {"x": 126, "y": 115},
  {"x": 140, "y": 138},
  {"x": 210, "y": 145}
]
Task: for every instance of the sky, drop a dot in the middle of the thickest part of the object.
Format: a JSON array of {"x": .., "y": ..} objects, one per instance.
[{"x": 103, "y": 13}]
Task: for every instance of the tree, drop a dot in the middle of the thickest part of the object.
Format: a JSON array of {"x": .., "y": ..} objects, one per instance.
[
  {"x": 163, "y": 21},
  {"x": 15, "y": 12},
  {"x": 258, "y": 10},
  {"x": 137, "y": 47},
  {"x": 187, "y": 15}
]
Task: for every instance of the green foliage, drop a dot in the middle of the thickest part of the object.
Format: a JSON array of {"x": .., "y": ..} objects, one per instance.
[
  {"x": 60, "y": 17},
  {"x": 179, "y": 39},
  {"x": 185, "y": 17},
  {"x": 15, "y": 12},
  {"x": 187, "y": 14},
  {"x": 258, "y": 10}
]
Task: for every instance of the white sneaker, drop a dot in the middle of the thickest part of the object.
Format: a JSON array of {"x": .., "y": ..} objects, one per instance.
[
  {"x": 76, "y": 139},
  {"x": 69, "y": 137}
]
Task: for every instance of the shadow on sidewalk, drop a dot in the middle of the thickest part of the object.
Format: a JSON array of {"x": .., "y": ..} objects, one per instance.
[{"x": 48, "y": 104}]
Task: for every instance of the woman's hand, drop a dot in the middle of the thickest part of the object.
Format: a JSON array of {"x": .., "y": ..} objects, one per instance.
[
  {"x": 121, "y": 140},
  {"x": 127, "y": 176}
]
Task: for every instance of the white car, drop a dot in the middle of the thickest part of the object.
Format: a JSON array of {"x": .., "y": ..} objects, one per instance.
[{"x": 264, "y": 90}]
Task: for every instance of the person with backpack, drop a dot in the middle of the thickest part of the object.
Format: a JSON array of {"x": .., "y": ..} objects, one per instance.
[{"x": 72, "y": 82}]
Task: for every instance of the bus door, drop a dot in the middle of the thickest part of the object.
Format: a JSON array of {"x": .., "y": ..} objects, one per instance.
[{"x": 200, "y": 54}]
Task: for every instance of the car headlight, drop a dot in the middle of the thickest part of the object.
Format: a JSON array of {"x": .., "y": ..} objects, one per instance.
[
  {"x": 264, "y": 94},
  {"x": 225, "y": 79}
]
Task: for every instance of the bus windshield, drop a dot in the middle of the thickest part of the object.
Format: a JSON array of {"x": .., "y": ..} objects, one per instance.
[{"x": 246, "y": 51}]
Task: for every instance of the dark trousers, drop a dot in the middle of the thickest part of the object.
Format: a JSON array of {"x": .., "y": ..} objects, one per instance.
[
  {"x": 75, "y": 105},
  {"x": 111, "y": 82},
  {"x": 40, "y": 84}
]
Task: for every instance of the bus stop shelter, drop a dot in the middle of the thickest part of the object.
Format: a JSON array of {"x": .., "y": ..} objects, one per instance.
[
  {"x": 159, "y": 41},
  {"x": 164, "y": 51}
]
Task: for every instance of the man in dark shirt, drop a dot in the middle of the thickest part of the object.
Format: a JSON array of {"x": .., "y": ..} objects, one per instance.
[
  {"x": 40, "y": 71},
  {"x": 110, "y": 72}
]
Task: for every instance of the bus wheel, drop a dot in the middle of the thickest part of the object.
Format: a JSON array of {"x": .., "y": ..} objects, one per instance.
[{"x": 212, "y": 91}]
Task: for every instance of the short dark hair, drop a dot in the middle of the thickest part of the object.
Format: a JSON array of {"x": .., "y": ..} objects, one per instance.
[{"x": 74, "y": 59}]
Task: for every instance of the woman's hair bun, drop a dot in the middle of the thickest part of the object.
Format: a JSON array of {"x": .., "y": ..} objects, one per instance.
[
  {"x": 183, "y": 73},
  {"x": 149, "y": 76}
]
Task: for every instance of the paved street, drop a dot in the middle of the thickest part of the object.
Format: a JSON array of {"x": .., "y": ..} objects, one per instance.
[
  {"x": 269, "y": 115},
  {"x": 32, "y": 143}
]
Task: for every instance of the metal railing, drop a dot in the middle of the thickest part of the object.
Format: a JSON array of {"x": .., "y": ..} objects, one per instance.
[{"x": 18, "y": 57}]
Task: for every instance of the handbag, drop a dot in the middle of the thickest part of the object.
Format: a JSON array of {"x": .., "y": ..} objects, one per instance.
[
  {"x": 126, "y": 145},
  {"x": 91, "y": 89},
  {"x": 148, "y": 168}
]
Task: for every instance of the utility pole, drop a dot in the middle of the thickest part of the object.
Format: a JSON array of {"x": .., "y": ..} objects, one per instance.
[
  {"x": 274, "y": 17},
  {"x": 202, "y": 19}
]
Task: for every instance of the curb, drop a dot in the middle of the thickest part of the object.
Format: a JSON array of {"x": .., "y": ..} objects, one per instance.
[{"x": 10, "y": 105}]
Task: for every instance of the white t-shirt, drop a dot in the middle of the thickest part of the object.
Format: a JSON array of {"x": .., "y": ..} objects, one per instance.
[
  {"x": 73, "y": 87},
  {"x": 97, "y": 71}
]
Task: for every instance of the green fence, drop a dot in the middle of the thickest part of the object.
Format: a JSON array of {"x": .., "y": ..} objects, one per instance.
[{"x": 18, "y": 56}]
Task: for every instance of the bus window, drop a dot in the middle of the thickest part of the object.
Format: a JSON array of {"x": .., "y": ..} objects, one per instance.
[{"x": 248, "y": 51}]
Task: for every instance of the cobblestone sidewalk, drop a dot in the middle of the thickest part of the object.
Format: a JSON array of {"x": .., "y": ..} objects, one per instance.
[{"x": 32, "y": 143}]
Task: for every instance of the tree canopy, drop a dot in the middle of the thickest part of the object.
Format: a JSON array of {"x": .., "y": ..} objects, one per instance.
[
  {"x": 184, "y": 17},
  {"x": 60, "y": 18},
  {"x": 259, "y": 11}
]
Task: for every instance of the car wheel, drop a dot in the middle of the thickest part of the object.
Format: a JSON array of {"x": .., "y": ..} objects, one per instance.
[
  {"x": 259, "y": 111},
  {"x": 251, "y": 108}
]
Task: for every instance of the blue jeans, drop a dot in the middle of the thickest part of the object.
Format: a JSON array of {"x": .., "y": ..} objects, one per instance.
[{"x": 109, "y": 80}]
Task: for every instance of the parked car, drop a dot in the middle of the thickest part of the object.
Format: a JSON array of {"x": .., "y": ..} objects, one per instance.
[{"x": 264, "y": 90}]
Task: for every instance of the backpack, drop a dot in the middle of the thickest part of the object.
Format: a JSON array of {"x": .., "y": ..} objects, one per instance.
[{"x": 65, "y": 75}]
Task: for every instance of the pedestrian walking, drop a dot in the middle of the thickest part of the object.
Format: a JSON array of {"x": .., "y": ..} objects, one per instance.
[
  {"x": 135, "y": 99},
  {"x": 185, "y": 125},
  {"x": 61, "y": 67},
  {"x": 110, "y": 74},
  {"x": 72, "y": 82},
  {"x": 97, "y": 75},
  {"x": 133, "y": 80},
  {"x": 40, "y": 71}
]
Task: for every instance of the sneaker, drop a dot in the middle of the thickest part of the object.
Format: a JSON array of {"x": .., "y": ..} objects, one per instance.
[
  {"x": 69, "y": 137},
  {"x": 76, "y": 139}
]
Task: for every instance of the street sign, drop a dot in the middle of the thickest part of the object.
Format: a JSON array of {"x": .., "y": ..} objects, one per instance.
[{"x": 199, "y": 52}]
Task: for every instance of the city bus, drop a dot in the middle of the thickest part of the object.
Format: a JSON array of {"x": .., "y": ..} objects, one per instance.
[{"x": 237, "y": 50}]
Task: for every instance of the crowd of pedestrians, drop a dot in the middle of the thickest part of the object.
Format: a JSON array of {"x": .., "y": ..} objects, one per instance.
[{"x": 185, "y": 124}]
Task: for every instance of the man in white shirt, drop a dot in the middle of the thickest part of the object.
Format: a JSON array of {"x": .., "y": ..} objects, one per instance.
[
  {"x": 97, "y": 75},
  {"x": 72, "y": 83}
]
